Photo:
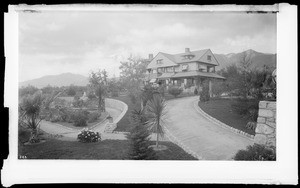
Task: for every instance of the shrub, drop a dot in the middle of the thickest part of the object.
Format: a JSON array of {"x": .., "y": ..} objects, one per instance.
[
  {"x": 256, "y": 152},
  {"x": 132, "y": 98},
  {"x": 247, "y": 108},
  {"x": 175, "y": 91},
  {"x": 204, "y": 94},
  {"x": 80, "y": 117},
  {"x": 78, "y": 103},
  {"x": 91, "y": 95},
  {"x": 196, "y": 91},
  {"x": 93, "y": 117},
  {"x": 218, "y": 88},
  {"x": 114, "y": 93},
  {"x": 88, "y": 136}
]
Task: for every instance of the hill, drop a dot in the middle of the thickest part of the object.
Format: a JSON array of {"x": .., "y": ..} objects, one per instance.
[
  {"x": 258, "y": 59},
  {"x": 64, "y": 79}
]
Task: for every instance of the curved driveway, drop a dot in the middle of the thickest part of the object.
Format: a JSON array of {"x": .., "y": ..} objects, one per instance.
[{"x": 199, "y": 134}]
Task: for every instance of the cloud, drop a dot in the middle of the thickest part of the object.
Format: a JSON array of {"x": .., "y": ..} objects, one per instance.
[{"x": 51, "y": 43}]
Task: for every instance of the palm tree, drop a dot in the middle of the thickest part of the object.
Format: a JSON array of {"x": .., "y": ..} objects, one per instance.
[
  {"x": 156, "y": 111},
  {"x": 139, "y": 138},
  {"x": 30, "y": 109}
]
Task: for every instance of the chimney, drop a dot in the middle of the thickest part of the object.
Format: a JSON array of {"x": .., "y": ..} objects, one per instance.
[
  {"x": 187, "y": 50},
  {"x": 150, "y": 56}
]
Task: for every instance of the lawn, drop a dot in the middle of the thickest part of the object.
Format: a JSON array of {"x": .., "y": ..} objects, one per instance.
[
  {"x": 106, "y": 149},
  {"x": 124, "y": 124},
  {"x": 221, "y": 109},
  {"x": 71, "y": 125}
]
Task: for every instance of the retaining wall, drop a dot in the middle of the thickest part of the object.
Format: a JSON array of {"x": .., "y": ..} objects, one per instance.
[
  {"x": 119, "y": 105},
  {"x": 265, "y": 132}
]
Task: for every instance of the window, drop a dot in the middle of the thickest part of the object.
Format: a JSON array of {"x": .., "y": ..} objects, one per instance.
[
  {"x": 188, "y": 57},
  {"x": 159, "y": 70},
  {"x": 159, "y": 61},
  {"x": 209, "y": 58},
  {"x": 169, "y": 69},
  {"x": 184, "y": 67}
]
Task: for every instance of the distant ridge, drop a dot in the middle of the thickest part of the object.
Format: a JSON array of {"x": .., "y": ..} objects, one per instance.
[
  {"x": 259, "y": 59},
  {"x": 64, "y": 79}
]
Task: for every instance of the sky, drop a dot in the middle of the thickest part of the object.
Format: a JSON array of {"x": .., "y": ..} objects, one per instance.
[{"x": 79, "y": 42}]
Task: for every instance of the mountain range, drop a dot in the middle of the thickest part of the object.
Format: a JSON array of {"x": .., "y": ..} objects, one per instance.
[
  {"x": 64, "y": 79},
  {"x": 258, "y": 61}
]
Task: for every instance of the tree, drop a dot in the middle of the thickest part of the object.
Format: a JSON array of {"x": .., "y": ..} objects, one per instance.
[
  {"x": 147, "y": 94},
  {"x": 28, "y": 90},
  {"x": 29, "y": 110},
  {"x": 114, "y": 87},
  {"x": 132, "y": 74},
  {"x": 156, "y": 111},
  {"x": 98, "y": 83},
  {"x": 139, "y": 138},
  {"x": 71, "y": 91}
]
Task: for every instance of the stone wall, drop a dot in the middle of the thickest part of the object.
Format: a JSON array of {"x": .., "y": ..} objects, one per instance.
[
  {"x": 265, "y": 132},
  {"x": 119, "y": 105}
]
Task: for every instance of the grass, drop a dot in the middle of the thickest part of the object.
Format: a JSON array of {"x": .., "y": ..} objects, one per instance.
[
  {"x": 71, "y": 125},
  {"x": 124, "y": 124},
  {"x": 221, "y": 109},
  {"x": 105, "y": 150}
]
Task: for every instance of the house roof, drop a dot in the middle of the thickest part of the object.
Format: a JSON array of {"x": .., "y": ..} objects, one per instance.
[
  {"x": 179, "y": 58},
  {"x": 166, "y": 75},
  {"x": 197, "y": 73}
]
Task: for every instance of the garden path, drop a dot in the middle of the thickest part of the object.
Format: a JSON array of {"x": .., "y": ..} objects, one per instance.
[
  {"x": 198, "y": 134},
  {"x": 70, "y": 134}
]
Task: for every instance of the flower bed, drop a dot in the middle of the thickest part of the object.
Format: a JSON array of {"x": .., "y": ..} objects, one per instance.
[{"x": 87, "y": 136}]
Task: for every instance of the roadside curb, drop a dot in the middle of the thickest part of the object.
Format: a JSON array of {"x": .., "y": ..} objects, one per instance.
[{"x": 217, "y": 122}]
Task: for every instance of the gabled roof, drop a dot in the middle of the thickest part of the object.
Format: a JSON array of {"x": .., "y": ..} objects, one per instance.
[{"x": 179, "y": 58}]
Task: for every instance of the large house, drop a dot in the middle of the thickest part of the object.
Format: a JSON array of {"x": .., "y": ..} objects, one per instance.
[{"x": 187, "y": 70}]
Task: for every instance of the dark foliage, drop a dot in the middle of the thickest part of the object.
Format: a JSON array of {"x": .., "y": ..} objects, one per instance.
[
  {"x": 80, "y": 117},
  {"x": 139, "y": 138},
  {"x": 175, "y": 91},
  {"x": 204, "y": 94},
  {"x": 246, "y": 107},
  {"x": 93, "y": 117},
  {"x": 29, "y": 90},
  {"x": 87, "y": 136},
  {"x": 256, "y": 153}
]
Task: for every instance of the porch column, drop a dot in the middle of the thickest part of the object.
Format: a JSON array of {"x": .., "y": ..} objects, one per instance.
[{"x": 210, "y": 88}]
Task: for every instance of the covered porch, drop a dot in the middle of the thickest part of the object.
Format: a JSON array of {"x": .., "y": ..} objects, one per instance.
[{"x": 189, "y": 81}]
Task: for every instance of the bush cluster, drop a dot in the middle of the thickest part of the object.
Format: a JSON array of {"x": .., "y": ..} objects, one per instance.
[
  {"x": 80, "y": 117},
  {"x": 247, "y": 108},
  {"x": 93, "y": 117},
  {"x": 175, "y": 91},
  {"x": 87, "y": 136},
  {"x": 204, "y": 94},
  {"x": 256, "y": 152}
]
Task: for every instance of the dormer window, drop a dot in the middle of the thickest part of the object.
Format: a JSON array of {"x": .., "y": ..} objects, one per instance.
[
  {"x": 159, "y": 61},
  {"x": 208, "y": 58},
  {"x": 189, "y": 57}
]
